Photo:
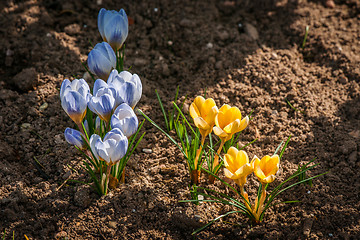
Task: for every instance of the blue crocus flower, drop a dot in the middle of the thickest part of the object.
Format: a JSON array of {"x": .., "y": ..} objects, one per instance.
[
  {"x": 73, "y": 137},
  {"x": 74, "y": 98},
  {"x": 102, "y": 60},
  {"x": 102, "y": 102},
  {"x": 112, "y": 149},
  {"x": 125, "y": 119},
  {"x": 113, "y": 27},
  {"x": 128, "y": 87}
]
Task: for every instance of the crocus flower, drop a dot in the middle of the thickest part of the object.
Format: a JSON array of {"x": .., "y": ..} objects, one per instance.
[
  {"x": 103, "y": 101},
  {"x": 113, "y": 27},
  {"x": 102, "y": 60},
  {"x": 112, "y": 148},
  {"x": 125, "y": 119},
  {"x": 128, "y": 87},
  {"x": 74, "y": 98},
  {"x": 228, "y": 122},
  {"x": 203, "y": 112},
  {"x": 266, "y": 168},
  {"x": 237, "y": 165},
  {"x": 73, "y": 137}
]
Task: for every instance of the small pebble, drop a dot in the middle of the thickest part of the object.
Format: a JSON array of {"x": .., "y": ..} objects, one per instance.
[
  {"x": 48, "y": 34},
  {"x": 197, "y": 217},
  {"x": 147, "y": 150},
  {"x": 156, "y": 9},
  {"x": 43, "y": 106},
  {"x": 308, "y": 192},
  {"x": 112, "y": 224},
  {"x": 331, "y": 235},
  {"x": 133, "y": 210},
  {"x": 25, "y": 125},
  {"x": 170, "y": 43},
  {"x": 201, "y": 197},
  {"x": 209, "y": 45}
]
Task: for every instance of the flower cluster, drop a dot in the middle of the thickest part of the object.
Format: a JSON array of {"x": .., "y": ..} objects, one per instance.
[
  {"x": 237, "y": 168},
  {"x": 104, "y": 116},
  {"x": 225, "y": 122}
]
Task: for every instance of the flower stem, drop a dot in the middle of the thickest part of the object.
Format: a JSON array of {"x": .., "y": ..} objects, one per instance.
[
  {"x": 108, "y": 170},
  {"x": 198, "y": 152},
  {"x": 216, "y": 158},
  {"x": 258, "y": 207}
]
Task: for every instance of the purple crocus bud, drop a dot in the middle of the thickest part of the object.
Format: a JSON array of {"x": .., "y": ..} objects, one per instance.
[
  {"x": 73, "y": 137},
  {"x": 113, "y": 27},
  {"x": 102, "y": 60}
]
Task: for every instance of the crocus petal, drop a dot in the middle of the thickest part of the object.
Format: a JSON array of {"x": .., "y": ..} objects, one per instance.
[
  {"x": 211, "y": 114},
  {"x": 233, "y": 127},
  {"x": 99, "y": 83},
  {"x": 244, "y": 170},
  {"x": 102, "y": 106},
  {"x": 219, "y": 132},
  {"x": 93, "y": 139},
  {"x": 65, "y": 84},
  {"x": 228, "y": 173},
  {"x": 244, "y": 123},
  {"x": 125, "y": 119},
  {"x": 73, "y": 137},
  {"x": 194, "y": 111},
  {"x": 269, "y": 179},
  {"x": 101, "y": 17}
]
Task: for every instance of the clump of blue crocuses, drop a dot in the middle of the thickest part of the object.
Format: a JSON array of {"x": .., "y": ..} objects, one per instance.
[{"x": 107, "y": 125}]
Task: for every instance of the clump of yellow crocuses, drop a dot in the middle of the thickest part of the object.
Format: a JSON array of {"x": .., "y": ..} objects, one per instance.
[
  {"x": 238, "y": 168},
  {"x": 225, "y": 122}
]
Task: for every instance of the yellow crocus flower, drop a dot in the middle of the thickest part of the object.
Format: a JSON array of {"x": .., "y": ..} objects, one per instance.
[
  {"x": 237, "y": 166},
  {"x": 266, "y": 168},
  {"x": 203, "y": 112},
  {"x": 228, "y": 122}
]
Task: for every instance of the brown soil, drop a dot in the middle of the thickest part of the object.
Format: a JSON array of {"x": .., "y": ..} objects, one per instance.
[{"x": 243, "y": 54}]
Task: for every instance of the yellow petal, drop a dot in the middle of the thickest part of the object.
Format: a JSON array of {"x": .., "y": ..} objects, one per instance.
[
  {"x": 199, "y": 101},
  {"x": 254, "y": 162},
  {"x": 194, "y": 111},
  {"x": 220, "y": 120},
  {"x": 228, "y": 174},
  {"x": 201, "y": 123},
  {"x": 206, "y": 106},
  {"x": 244, "y": 123},
  {"x": 230, "y": 159},
  {"x": 242, "y": 158},
  {"x": 243, "y": 171},
  {"x": 232, "y": 127},
  {"x": 273, "y": 165},
  {"x": 219, "y": 132},
  {"x": 263, "y": 163},
  {"x": 259, "y": 173},
  {"x": 268, "y": 179},
  {"x": 210, "y": 117},
  {"x": 224, "y": 108},
  {"x": 232, "y": 114}
]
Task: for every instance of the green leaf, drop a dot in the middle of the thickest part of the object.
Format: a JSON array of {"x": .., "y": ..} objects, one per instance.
[{"x": 163, "y": 110}]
